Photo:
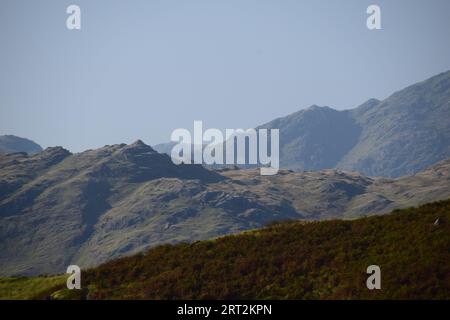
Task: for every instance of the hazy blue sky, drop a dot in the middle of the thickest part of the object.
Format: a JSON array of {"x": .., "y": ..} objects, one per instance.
[{"x": 139, "y": 69}]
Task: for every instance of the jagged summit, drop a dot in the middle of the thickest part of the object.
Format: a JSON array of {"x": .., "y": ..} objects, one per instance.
[
  {"x": 372, "y": 102},
  {"x": 367, "y": 105},
  {"x": 139, "y": 143},
  {"x": 89, "y": 207},
  {"x": 401, "y": 135},
  {"x": 56, "y": 150},
  {"x": 398, "y": 136},
  {"x": 315, "y": 107},
  {"x": 139, "y": 146}
]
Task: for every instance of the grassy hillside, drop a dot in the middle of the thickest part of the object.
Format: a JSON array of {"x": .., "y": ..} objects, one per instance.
[
  {"x": 22, "y": 288},
  {"x": 58, "y": 208},
  {"x": 317, "y": 260},
  {"x": 290, "y": 260}
]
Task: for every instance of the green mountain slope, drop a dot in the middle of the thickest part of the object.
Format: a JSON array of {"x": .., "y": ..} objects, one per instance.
[
  {"x": 58, "y": 208},
  {"x": 316, "y": 260},
  {"x": 289, "y": 260},
  {"x": 25, "y": 288}
]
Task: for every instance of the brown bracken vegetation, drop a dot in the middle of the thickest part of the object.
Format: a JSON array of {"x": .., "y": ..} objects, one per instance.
[{"x": 294, "y": 260}]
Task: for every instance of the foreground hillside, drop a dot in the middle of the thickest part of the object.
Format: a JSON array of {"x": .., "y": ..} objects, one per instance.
[
  {"x": 58, "y": 208},
  {"x": 315, "y": 260},
  {"x": 24, "y": 288},
  {"x": 292, "y": 260}
]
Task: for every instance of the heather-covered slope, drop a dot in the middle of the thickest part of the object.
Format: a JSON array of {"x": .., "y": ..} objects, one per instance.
[
  {"x": 295, "y": 260},
  {"x": 316, "y": 260}
]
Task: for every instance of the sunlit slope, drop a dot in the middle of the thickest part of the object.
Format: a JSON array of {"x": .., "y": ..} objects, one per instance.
[{"x": 297, "y": 260}]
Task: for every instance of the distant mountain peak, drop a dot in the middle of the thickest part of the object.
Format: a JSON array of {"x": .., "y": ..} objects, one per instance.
[
  {"x": 57, "y": 149},
  {"x": 10, "y": 144},
  {"x": 315, "y": 107},
  {"x": 139, "y": 146},
  {"x": 401, "y": 135},
  {"x": 52, "y": 155},
  {"x": 105, "y": 203},
  {"x": 138, "y": 143},
  {"x": 370, "y": 103}
]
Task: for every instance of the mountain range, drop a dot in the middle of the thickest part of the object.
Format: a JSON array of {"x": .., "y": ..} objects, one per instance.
[
  {"x": 401, "y": 135},
  {"x": 58, "y": 208}
]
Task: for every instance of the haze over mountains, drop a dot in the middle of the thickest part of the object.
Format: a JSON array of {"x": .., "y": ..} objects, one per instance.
[{"x": 401, "y": 135}]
